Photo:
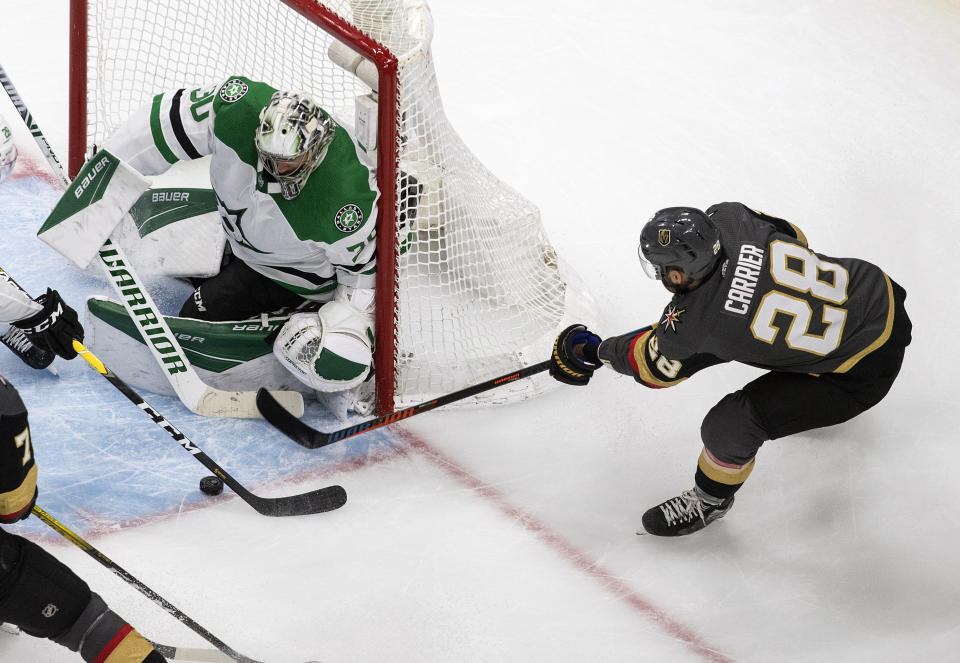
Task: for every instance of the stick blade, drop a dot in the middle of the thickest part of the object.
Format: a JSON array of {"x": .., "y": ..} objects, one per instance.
[
  {"x": 191, "y": 654},
  {"x": 242, "y": 404},
  {"x": 281, "y": 418},
  {"x": 321, "y": 500}
]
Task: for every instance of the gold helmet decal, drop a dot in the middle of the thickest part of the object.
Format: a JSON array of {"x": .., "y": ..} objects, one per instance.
[{"x": 664, "y": 237}]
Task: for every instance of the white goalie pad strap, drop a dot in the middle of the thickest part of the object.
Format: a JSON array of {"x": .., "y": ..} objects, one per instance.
[
  {"x": 91, "y": 207},
  {"x": 331, "y": 350},
  {"x": 362, "y": 299}
]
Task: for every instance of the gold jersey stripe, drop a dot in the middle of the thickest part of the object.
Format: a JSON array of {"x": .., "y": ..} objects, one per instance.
[
  {"x": 800, "y": 236},
  {"x": 643, "y": 368},
  {"x": 728, "y": 475},
  {"x": 888, "y": 327},
  {"x": 19, "y": 498},
  {"x": 133, "y": 648}
]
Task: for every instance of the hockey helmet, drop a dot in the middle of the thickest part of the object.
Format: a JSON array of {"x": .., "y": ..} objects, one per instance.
[
  {"x": 292, "y": 139},
  {"x": 8, "y": 150},
  {"x": 682, "y": 237}
]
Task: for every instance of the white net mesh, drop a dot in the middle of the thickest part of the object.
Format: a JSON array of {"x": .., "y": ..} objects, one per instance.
[{"x": 481, "y": 291}]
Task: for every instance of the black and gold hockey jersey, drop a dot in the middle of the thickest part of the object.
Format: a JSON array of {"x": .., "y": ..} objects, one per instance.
[
  {"x": 771, "y": 303},
  {"x": 18, "y": 470}
]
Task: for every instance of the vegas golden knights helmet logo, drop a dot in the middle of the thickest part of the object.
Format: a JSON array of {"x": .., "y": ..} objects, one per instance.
[{"x": 664, "y": 237}]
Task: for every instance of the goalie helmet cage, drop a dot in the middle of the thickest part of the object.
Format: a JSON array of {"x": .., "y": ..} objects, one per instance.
[{"x": 468, "y": 285}]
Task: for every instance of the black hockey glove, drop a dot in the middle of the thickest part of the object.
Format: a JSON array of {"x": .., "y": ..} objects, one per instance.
[
  {"x": 53, "y": 328},
  {"x": 574, "y": 357}
]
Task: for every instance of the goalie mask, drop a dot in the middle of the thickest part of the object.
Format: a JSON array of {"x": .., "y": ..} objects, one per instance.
[
  {"x": 682, "y": 237},
  {"x": 8, "y": 150},
  {"x": 292, "y": 139}
]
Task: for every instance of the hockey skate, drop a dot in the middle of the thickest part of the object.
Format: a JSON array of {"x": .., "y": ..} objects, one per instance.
[
  {"x": 20, "y": 345},
  {"x": 691, "y": 511}
]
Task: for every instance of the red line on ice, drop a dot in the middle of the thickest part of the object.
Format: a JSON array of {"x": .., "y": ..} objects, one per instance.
[
  {"x": 411, "y": 441},
  {"x": 567, "y": 550}
]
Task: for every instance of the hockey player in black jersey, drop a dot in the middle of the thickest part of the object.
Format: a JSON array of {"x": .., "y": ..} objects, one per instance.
[
  {"x": 746, "y": 287},
  {"x": 38, "y": 593}
]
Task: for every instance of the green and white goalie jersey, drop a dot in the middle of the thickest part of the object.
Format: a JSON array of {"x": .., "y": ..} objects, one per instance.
[{"x": 310, "y": 244}]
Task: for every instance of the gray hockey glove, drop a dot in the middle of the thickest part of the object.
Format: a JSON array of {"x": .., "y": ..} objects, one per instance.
[
  {"x": 53, "y": 328},
  {"x": 574, "y": 357}
]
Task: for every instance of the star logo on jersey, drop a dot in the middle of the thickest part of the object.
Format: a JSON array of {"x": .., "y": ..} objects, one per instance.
[
  {"x": 671, "y": 318},
  {"x": 233, "y": 90},
  {"x": 231, "y": 219},
  {"x": 348, "y": 218}
]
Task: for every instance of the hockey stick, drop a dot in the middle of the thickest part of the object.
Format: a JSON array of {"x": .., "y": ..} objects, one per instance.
[
  {"x": 311, "y": 438},
  {"x": 169, "y": 355},
  {"x": 168, "y": 651},
  {"x": 117, "y": 570},
  {"x": 190, "y": 654},
  {"x": 224, "y": 653},
  {"x": 192, "y": 391},
  {"x": 316, "y": 501},
  {"x": 21, "y": 107}
]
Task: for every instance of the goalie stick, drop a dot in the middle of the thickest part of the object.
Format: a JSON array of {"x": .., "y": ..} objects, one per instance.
[
  {"x": 229, "y": 653},
  {"x": 311, "y": 438},
  {"x": 192, "y": 391}
]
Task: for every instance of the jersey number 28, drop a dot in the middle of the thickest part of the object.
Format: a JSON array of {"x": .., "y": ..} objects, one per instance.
[{"x": 798, "y": 269}]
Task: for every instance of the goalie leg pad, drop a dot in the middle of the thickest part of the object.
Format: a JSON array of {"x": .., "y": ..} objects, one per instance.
[{"x": 331, "y": 350}]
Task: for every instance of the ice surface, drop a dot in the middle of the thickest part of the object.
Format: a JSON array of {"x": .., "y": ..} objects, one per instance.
[{"x": 508, "y": 534}]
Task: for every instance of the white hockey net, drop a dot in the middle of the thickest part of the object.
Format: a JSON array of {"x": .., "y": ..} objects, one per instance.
[{"x": 478, "y": 289}]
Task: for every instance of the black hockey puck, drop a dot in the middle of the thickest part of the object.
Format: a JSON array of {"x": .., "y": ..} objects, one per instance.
[{"x": 211, "y": 485}]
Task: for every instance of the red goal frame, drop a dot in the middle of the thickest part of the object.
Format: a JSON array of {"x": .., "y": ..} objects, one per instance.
[{"x": 388, "y": 123}]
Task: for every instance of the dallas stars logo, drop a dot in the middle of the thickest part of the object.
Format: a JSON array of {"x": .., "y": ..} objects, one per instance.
[
  {"x": 672, "y": 317},
  {"x": 231, "y": 219},
  {"x": 233, "y": 90},
  {"x": 348, "y": 218}
]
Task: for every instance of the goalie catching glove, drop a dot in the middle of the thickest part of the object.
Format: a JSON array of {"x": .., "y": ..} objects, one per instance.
[
  {"x": 574, "y": 357},
  {"x": 330, "y": 350},
  {"x": 54, "y": 327}
]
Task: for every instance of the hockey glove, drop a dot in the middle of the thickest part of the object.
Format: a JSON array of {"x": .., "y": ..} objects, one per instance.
[
  {"x": 54, "y": 327},
  {"x": 574, "y": 357}
]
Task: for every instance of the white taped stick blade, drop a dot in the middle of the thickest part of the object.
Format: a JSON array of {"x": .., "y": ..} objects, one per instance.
[{"x": 243, "y": 405}]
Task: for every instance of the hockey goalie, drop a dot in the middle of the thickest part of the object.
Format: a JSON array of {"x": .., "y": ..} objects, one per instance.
[{"x": 290, "y": 302}]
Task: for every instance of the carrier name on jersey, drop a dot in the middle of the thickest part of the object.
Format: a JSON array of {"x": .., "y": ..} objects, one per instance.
[{"x": 745, "y": 277}]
